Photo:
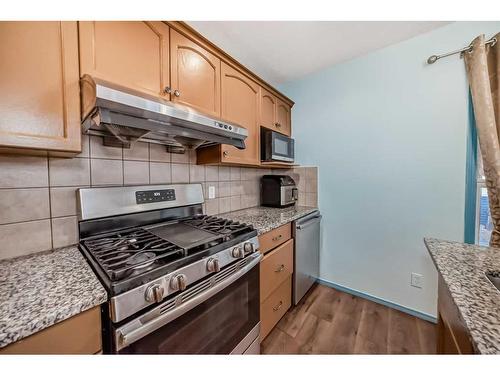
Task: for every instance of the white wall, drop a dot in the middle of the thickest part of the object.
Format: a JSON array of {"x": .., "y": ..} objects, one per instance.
[{"x": 388, "y": 133}]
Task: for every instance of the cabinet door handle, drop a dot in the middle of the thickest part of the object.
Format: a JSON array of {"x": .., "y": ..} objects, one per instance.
[
  {"x": 177, "y": 93},
  {"x": 278, "y": 306},
  {"x": 277, "y": 124},
  {"x": 277, "y": 237},
  {"x": 167, "y": 90},
  {"x": 280, "y": 268},
  {"x": 225, "y": 154}
]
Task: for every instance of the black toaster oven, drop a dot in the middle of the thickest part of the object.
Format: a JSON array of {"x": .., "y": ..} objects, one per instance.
[{"x": 278, "y": 191}]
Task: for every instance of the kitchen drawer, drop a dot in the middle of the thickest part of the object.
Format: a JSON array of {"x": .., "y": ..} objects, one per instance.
[
  {"x": 275, "y": 268},
  {"x": 80, "y": 334},
  {"x": 274, "y": 307},
  {"x": 276, "y": 237}
]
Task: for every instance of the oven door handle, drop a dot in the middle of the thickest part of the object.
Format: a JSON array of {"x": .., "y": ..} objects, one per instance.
[{"x": 141, "y": 326}]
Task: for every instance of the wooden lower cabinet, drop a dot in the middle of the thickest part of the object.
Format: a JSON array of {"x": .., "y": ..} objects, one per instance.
[
  {"x": 39, "y": 86},
  {"x": 276, "y": 270},
  {"x": 274, "y": 307},
  {"x": 453, "y": 336},
  {"x": 80, "y": 334},
  {"x": 274, "y": 238},
  {"x": 446, "y": 341}
]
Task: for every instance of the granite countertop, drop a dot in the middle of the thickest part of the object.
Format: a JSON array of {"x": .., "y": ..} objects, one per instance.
[
  {"x": 40, "y": 290},
  {"x": 463, "y": 268},
  {"x": 265, "y": 219}
]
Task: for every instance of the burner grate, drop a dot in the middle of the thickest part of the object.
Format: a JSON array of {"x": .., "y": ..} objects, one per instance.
[
  {"x": 218, "y": 225},
  {"x": 132, "y": 252},
  {"x": 141, "y": 250}
]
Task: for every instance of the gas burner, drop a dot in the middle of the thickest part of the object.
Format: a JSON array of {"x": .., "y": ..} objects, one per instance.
[
  {"x": 141, "y": 260},
  {"x": 131, "y": 252},
  {"x": 218, "y": 225}
]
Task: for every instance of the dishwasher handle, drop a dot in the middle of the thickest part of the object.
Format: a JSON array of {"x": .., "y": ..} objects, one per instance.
[{"x": 308, "y": 223}]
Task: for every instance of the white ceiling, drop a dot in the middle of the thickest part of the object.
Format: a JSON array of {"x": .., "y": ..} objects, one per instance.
[{"x": 280, "y": 51}]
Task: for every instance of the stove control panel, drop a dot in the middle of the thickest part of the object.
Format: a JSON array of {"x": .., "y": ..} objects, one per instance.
[{"x": 153, "y": 196}]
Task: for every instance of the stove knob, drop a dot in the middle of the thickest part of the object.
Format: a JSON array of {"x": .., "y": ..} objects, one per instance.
[
  {"x": 213, "y": 265},
  {"x": 178, "y": 282},
  {"x": 238, "y": 252},
  {"x": 154, "y": 293},
  {"x": 248, "y": 247}
]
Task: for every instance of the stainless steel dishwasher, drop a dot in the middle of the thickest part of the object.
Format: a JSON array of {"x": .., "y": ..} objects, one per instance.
[{"x": 306, "y": 255}]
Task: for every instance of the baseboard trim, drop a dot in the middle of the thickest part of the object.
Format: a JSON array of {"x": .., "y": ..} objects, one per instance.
[{"x": 369, "y": 297}]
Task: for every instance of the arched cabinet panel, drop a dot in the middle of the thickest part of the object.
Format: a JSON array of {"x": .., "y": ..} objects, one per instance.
[{"x": 195, "y": 75}]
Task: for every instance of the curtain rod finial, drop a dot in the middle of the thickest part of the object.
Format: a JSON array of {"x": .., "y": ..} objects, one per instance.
[{"x": 432, "y": 59}]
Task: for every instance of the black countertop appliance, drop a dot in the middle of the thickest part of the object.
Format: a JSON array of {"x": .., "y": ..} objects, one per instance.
[{"x": 278, "y": 191}]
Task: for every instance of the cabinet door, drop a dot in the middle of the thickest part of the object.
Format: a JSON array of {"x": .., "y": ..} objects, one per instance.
[
  {"x": 446, "y": 341},
  {"x": 267, "y": 110},
  {"x": 40, "y": 106},
  {"x": 240, "y": 104},
  {"x": 195, "y": 75},
  {"x": 283, "y": 117},
  {"x": 80, "y": 334},
  {"x": 130, "y": 54}
]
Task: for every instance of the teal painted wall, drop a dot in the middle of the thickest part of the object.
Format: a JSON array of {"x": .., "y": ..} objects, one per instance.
[{"x": 388, "y": 133}]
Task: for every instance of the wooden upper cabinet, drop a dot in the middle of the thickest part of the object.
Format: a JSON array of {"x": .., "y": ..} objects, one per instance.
[
  {"x": 131, "y": 54},
  {"x": 240, "y": 105},
  {"x": 283, "y": 117},
  {"x": 39, "y": 86},
  {"x": 267, "y": 110},
  {"x": 274, "y": 113},
  {"x": 195, "y": 75}
]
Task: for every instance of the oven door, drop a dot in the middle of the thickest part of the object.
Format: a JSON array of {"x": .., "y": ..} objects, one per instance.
[
  {"x": 219, "y": 315},
  {"x": 282, "y": 147}
]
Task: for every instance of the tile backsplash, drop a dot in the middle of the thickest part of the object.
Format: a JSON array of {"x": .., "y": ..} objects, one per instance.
[{"x": 38, "y": 193}]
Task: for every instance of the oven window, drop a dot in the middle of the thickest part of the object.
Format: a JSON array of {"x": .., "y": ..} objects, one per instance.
[
  {"x": 281, "y": 147},
  {"x": 214, "y": 327}
]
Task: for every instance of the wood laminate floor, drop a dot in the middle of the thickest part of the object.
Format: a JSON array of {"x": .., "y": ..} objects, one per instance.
[{"x": 328, "y": 321}]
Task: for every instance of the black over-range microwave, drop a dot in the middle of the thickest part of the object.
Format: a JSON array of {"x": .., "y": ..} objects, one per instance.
[{"x": 275, "y": 146}]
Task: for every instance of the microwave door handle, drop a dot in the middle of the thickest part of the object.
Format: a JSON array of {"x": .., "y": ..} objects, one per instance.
[{"x": 295, "y": 193}]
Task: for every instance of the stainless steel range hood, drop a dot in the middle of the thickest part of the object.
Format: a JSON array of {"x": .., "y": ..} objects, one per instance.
[{"x": 124, "y": 117}]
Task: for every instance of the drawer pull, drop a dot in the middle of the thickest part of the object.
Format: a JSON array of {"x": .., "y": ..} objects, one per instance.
[
  {"x": 277, "y": 238},
  {"x": 280, "y": 268},
  {"x": 278, "y": 306}
]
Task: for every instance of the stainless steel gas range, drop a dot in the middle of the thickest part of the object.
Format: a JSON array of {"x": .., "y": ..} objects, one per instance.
[{"x": 178, "y": 281}]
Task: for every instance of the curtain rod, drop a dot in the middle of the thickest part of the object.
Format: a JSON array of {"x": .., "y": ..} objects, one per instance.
[{"x": 432, "y": 59}]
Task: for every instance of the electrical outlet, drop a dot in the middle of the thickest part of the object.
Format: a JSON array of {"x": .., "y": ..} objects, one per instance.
[
  {"x": 211, "y": 192},
  {"x": 417, "y": 280}
]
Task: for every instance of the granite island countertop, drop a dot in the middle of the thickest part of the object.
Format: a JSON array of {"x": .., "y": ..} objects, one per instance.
[
  {"x": 265, "y": 219},
  {"x": 463, "y": 268},
  {"x": 40, "y": 290}
]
